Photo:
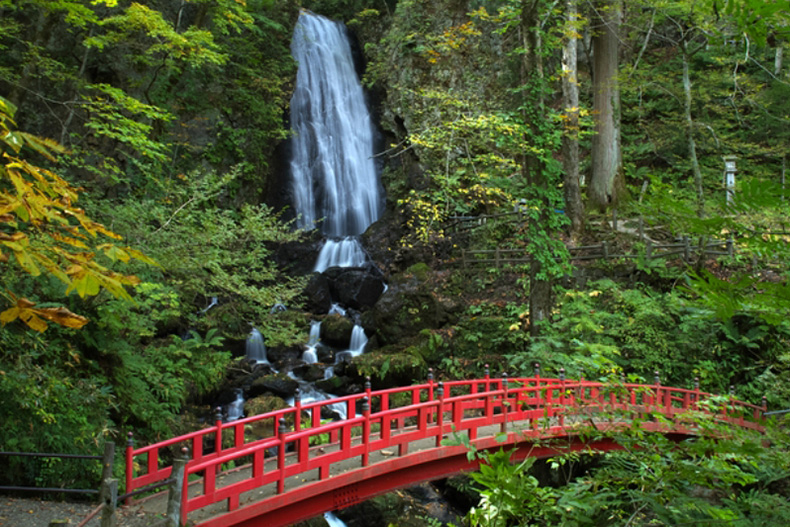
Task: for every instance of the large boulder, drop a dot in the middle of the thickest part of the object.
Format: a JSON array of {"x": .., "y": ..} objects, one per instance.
[
  {"x": 298, "y": 257},
  {"x": 356, "y": 287},
  {"x": 336, "y": 331},
  {"x": 278, "y": 384},
  {"x": 318, "y": 295},
  {"x": 310, "y": 372},
  {"x": 411, "y": 303}
]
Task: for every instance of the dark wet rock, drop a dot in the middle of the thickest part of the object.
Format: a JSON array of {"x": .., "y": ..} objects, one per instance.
[
  {"x": 277, "y": 383},
  {"x": 318, "y": 295},
  {"x": 325, "y": 354},
  {"x": 310, "y": 372},
  {"x": 408, "y": 306},
  {"x": 336, "y": 385},
  {"x": 239, "y": 375},
  {"x": 285, "y": 357},
  {"x": 298, "y": 257},
  {"x": 356, "y": 287},
  {"x": 380, "y": 238}
]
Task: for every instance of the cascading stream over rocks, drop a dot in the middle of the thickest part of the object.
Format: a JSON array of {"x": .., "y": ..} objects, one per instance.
[{"x": 335, "y": 181}]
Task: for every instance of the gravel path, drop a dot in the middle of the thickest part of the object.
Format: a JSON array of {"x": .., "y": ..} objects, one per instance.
[{"x": 26, "y": 512}]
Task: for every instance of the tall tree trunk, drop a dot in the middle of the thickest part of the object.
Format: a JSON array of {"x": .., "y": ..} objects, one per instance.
[
  {"x": 540, "y": 286},
  {"x": 574, "y": 208},
  {"x": 606, "y": 181},
  {"x": 692, "y": 145}
]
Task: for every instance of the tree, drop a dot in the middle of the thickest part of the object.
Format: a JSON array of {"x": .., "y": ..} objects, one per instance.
[
  {"x": 606, "y": 182},
  {"x": 574, "y": 208},
  {"x": 42, "y": 228}
]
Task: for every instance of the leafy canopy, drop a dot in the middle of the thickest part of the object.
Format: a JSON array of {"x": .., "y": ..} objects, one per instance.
[{"x": 42, "y": 229}]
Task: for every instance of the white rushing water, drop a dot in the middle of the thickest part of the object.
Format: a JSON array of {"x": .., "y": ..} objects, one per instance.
[
  {"x": 235, "y": 410},
  {"x": 255, "y": 349},
  {"x": 333, "y": 520},
  {"x": 333, "y": 172},
  {"x": 309, "y": 355},
  {"x": 356, "y": 347},
  {"x": 344, "y": 252}
]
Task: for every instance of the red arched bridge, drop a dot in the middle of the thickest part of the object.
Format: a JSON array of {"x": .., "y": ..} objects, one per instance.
[{"x": 289, "y": 465}]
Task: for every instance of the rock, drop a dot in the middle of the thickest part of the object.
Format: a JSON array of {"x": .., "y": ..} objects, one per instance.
[
  {"x": 408, "y": 306},
  {"x": 336, "y": 331},
  {"x": 388, "y": 370},
  {"x": 381, "y": 237},
  {"x": 325, "y": 354},
  {"x": 310, "y": 372},
  {"x": 298, "y": 257},
  {"x": 263, "y": 404},
  {"x": 277, "y": 383},
  {"x": 336, "y": 385},
  {"x": 317, "y": 293},
  {"x": 356, "y": 287},
  {"x": 285, "y": 357}
]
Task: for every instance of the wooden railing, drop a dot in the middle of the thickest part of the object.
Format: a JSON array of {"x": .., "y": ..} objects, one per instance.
[{"x": 684, "y": 249}]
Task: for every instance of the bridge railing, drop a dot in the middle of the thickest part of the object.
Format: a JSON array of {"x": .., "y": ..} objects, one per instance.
[
  {"x": 544, "y": 408},
  {"x": 150, "y": 464}
]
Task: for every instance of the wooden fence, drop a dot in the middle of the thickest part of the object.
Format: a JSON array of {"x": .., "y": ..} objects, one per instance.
[{"x": 684, "y": 249}]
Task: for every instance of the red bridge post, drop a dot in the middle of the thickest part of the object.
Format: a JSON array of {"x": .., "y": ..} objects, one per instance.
[
  {"x": 129, "y": 464},
  {"x": 440, "y": 414},
  {"x": 505, "y": 403},
  {"x": 366, "y": 431}
]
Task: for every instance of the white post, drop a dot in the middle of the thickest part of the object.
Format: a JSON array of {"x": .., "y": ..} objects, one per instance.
[{"x": 729, "y": 178}]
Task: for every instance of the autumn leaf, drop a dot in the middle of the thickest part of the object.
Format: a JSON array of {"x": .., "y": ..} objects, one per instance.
[{"x": 26, "y": 311}]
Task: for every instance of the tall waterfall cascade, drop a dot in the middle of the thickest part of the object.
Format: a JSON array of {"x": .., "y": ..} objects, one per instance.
[{"x": 334, "y": 176}]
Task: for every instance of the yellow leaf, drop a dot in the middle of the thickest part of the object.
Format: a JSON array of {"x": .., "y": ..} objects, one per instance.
[
  {"x": 138, "y": 255},
  {"x": 9, "y": 315},
  {"x": 114, "y": 252},
  {"x": 29, "y": 317},
  {"x": 63, "y": 317},
  {"x": 87, "y": 285},
  {"x": 26, "y": 312}
]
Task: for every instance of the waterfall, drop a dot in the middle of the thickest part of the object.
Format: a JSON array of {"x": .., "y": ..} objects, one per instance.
[
  {"x": 334, "y": 177},
  {"x": 345, "y": 252},
  {"x": 255, "y": 348},
  {"x": 356, "y": 347},
  {"x": 235, "y": 410},
  {"x": 310, "y": 356}
]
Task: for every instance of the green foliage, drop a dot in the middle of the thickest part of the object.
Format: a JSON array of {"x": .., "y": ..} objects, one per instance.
[
  {"x": 722, "y": 476},
  {"x": 508, "y": 493},
  {"x": 638, "y": 331},
  {"x": 46, "y": 391},
  {"x": 208, "y": 251}
]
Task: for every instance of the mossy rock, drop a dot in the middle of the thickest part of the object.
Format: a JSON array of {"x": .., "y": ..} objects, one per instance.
[
  {"x": 420, "y": 271},
  {"x": 388, "y": 370},
  {"x": 261, "y": 405},
  {"x": 336, "y": 330}
]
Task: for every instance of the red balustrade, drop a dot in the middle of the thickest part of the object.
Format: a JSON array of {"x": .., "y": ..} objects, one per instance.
[{"x": 415, "y": 418}]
